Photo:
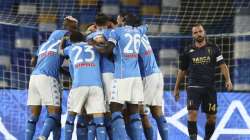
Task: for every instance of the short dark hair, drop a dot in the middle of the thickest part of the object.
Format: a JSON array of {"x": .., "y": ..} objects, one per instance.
[
  {"x": 197, "y": 24},
  {"x": 113, "y": 20},
  {"x": 76, "y": 36},
  {"x": 101, "y": 19},
  {"x": 130, "y": 20}
]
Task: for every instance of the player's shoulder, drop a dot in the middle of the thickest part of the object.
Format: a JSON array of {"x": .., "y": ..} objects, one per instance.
[
  {"x": 213, "y": 45},
  {"x": 57, "y": 34}
]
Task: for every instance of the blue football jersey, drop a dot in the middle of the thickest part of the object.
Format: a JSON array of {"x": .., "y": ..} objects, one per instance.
[
  {"x": 85, "y": 62},
  {"x": 127, "y": 40},
  {"x": 147, "y": 60},
  {"x": 49, "y": 60},
  {"x": 107, "y": 66}
]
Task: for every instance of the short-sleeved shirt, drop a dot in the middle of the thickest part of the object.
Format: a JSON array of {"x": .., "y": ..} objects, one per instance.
[
  {"x": 147, "y": 60},
  {"x": 127, "y": 40},
  {"x": 107, "y": 66},
  {"x": 85, "y": 62},
  {"x": 49, "y": 60},
  {"x": 200, "y": 64}
]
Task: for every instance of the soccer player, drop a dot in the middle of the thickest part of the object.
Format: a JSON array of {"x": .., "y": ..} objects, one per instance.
[
  {"x": 198, "y": 61},
  {"x": 124, "y": 43},
  {"x": 153, "y": 89},
  {"x": 87, "y": 86},
  {"x": 103, "y": 27},
  {"x": 44, "y": 88}
]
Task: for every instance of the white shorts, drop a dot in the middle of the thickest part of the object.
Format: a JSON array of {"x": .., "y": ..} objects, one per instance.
[
  {"x": 89, "y": 97},
  {"x": 153, "y": 88},
  {"x": 107, "y": 79},
  {"x": 44, "y": 90},
  {"x": 127, "y": 90}
]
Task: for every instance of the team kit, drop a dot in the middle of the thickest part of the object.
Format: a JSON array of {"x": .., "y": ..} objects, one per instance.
[{"x": 115, "y": 79}]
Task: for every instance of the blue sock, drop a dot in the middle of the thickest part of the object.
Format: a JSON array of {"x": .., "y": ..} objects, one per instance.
[
  {"x": 69, "y": 126},
  {"x": 31, "y": 127},
  {"x": 91, "y": 130},
  {"x": 57, "y": 130},
  {"x": 136, "y": 127},
  {"x": 149, "y": 133},
  {"x": 101, "y": 133},
  {"x": 50, "y": 124},
  {"x": 107, "y": 122},
  {"x": 118, "y": 127},
  {"x": 162, "y": 127},
  {"x": 82, "y": 131}
]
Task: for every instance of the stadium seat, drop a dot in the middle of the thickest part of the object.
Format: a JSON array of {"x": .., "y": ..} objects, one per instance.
[
  {"x": 27, "y": 9},
  {"x": 151, "y": 2},
  {"x": 114, "y": 2},
  {"x": 149, "y": 10},
  {"x": 130, "y": 2},
  {"x": 24, "y": 38},
  {"x": 5, "y": 61},
  {"x": 171, "y": 3},
  {"x": 110, "y": 9},
  {"x": 47, "y": 22},
  {"x": 132, "y": 9},
  {"x": 87, "y": 2}
]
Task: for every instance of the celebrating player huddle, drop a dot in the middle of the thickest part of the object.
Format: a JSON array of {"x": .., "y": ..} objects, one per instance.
[{"x": 113, "y": 68}]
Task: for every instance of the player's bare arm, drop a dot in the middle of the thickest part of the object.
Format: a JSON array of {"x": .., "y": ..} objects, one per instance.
[
  {"x": 180, "y": 76},
  {"x": 224, "y": 69},
  {"x": 33, "y": 61}
]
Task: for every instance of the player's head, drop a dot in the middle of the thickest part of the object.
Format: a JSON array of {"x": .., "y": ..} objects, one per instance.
[
  {"x": 76, "y": 36},
  {"x": 101, "y": 20},
  {"x": 130, "y": 20},
  {"x": 120, "y": 19},
  {"x": 112, "y": 23},
  {"x": 198, "y": 33},
  {"x": 70, "y": 23}
]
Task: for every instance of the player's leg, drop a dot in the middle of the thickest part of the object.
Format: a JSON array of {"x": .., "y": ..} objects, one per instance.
[
  {"x": 57, "y": 131},
  {"x": 160, "y": 120},
  {"x": 91, "y": 127},
  {"x": 153, "y": 96},
  {"x": 117, "y": 119},
  {"x": 148, "y": 129},
  {"x": 209, "y": 106},
  {"x": 51, "y": 122},
  {"x": 51, "y": 97},
  {"x": 193, "y": 103},
  {"x": 76, "y": 99},
  {"x": 135, "y": 124},
  {"x": 31, "y": 123},
  {"x": 95, "y": 105},
  {"x": 107, "y": 79},
  {"x": 34, "y": 103},
  {"x": 82, "y": 130},
  {"x": 117, "y": 122}
]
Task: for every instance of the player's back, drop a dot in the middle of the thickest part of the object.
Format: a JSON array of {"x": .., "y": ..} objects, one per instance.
[
  {"x": 107, "y": 66},
  {"x": 147, "y": 61},
  {"x": 86, "y": 64},
  {"x": 127, "y": 40},
  {"x": 49, "y": 60}
]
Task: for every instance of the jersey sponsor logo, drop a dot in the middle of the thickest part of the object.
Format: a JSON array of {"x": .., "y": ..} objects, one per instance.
[
  {"x": 131, "y": 55},
  {"x": 79, "y": 65},
  {"x": 201, "y": 60}
]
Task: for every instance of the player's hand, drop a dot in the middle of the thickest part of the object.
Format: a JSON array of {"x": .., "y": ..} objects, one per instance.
[
  {"x": 229, "y": 85},
  {"x": 92, "y": 28},
  {"x": 176, "y": 94}
]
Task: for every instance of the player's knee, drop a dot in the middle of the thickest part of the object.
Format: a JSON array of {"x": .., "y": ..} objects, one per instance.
[
  {"x": 211, "y": 119},
  {"x": 115, "y": 107},
  {"x": 145, "y": 121},
  {"x": 156, "y": 111},
  {"x": 56, "y": 117},
  {"x": 192, "y": 115},
  {"x": 133, "y": 108},
  {"x": 54, "y": 109}
]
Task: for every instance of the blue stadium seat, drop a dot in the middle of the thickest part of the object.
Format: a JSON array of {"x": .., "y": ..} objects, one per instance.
[
  {"x": 151, "y": 2},
  {"x": 132, "y": 9},
  {"x": 116, "y": 2}
]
